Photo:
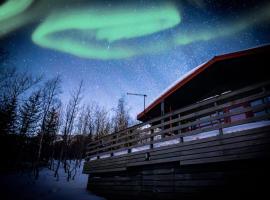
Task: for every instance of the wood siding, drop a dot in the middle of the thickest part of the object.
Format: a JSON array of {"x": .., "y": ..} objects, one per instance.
[{"x": 227, "y": 161}]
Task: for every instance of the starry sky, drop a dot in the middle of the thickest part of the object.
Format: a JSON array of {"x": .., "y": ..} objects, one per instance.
[{"x": 126, "y": 46}]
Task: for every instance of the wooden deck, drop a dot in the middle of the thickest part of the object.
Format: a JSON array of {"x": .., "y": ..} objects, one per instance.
[{"x": 204, "y": 144}]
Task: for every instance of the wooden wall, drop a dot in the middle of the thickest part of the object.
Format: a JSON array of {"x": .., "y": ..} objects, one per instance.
[{"x": 233, "y": 164}]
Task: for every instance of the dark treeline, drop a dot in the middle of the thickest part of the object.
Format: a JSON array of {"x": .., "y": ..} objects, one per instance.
[{"x": 37, "y": 129}]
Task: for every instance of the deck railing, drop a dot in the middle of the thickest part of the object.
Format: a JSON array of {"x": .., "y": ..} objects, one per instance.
[{"x": 210, "y": 117}]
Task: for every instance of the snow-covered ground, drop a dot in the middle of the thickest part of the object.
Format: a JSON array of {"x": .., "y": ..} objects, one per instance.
[{"x": 24, "y": 187}]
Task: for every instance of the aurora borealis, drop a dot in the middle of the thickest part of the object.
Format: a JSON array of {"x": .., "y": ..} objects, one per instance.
[
  {"x": 109, "y": 27},
  {"x": 127, "y": 46},
  {"x": 12, "y": 8}
]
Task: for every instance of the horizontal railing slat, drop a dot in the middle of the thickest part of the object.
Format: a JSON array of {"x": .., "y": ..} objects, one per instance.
[
  {"x": 139, "y": 135},
  {"x": 190, "y": 107},
  {"x": 210, "y": 119},
  {"x": 195, "y": 132}
]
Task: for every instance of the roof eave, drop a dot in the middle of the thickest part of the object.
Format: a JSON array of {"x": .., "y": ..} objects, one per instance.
[{"x": 179, "y": 84}]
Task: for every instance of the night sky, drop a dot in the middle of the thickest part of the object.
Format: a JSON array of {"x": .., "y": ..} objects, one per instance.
[{"x": 126, "y": 46}]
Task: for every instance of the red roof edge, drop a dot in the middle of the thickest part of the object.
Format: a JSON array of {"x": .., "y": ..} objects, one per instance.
[{"x": 196, "y": 72}]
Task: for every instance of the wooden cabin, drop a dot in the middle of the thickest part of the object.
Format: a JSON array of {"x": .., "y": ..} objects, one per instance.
[{"x": 208, "y": 134}]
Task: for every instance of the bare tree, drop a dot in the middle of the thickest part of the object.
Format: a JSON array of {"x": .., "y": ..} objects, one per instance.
[
  {"x": 85, "y": 130},
  {"x": 89, "y": 121},
  {"x": 102, "y": 122},
  {"x": 71, "y": 113},
  {"x": 121, "y": 118},
  {"x": 50, "y": 93}
]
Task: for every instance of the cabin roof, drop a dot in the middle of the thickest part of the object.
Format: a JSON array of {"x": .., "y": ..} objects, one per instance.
[{"x": 183, "y": 80}]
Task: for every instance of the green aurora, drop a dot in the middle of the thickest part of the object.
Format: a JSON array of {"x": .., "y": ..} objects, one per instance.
[
  {"x": 104, "y": 30},
  {"x": 12, "y": 8},
  {"x": 12, "y": 15},
  {"x": 102, "y": 33}
]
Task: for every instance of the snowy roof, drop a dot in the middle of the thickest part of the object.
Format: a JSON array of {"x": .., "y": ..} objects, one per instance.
[
  {"x": 194, "y": 72},
  {"x": 178, "y": 81}
]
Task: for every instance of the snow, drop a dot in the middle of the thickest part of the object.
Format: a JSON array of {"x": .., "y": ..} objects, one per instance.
[
  {"x": 141, "y": 148},
  {"x": 244, "y": 127},
  {"x": 179, "y": 80},
  {"x": 201, "y": 135},
  {"x": 23, "y": 186},
  {"x": 182, "y": 78},
  {"x": 119, "y": 153},
  {"x": 157, "y": 137},
  {"x": 144, "y": 127},
  {"x": 206, "y": 134},
  {"x": 166, "y": 143},
  {"x": 105, "y": 156},
  {"x": 228, "y": 130},
  {"x": 93, "y": 158}
]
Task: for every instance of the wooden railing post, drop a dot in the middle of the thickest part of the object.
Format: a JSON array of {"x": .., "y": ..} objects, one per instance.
[
  {"x": 209, "y": 112},
  {"x": 265, "y": 100},
  {"x": 129, "y": 144},
  {"x": 219, "y": 121},
  {"x": 179, "y": 131},
  {"x": 151, "y": 139},
  {"x": 100, "y": 142},
  {"x": 263, "y": 89},
  {"x": 162, "y": 106},
  {"x": 114, "y": 142}
]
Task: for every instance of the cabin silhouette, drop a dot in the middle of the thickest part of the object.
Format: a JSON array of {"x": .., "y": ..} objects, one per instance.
[{"x": 207, "y": 134}]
